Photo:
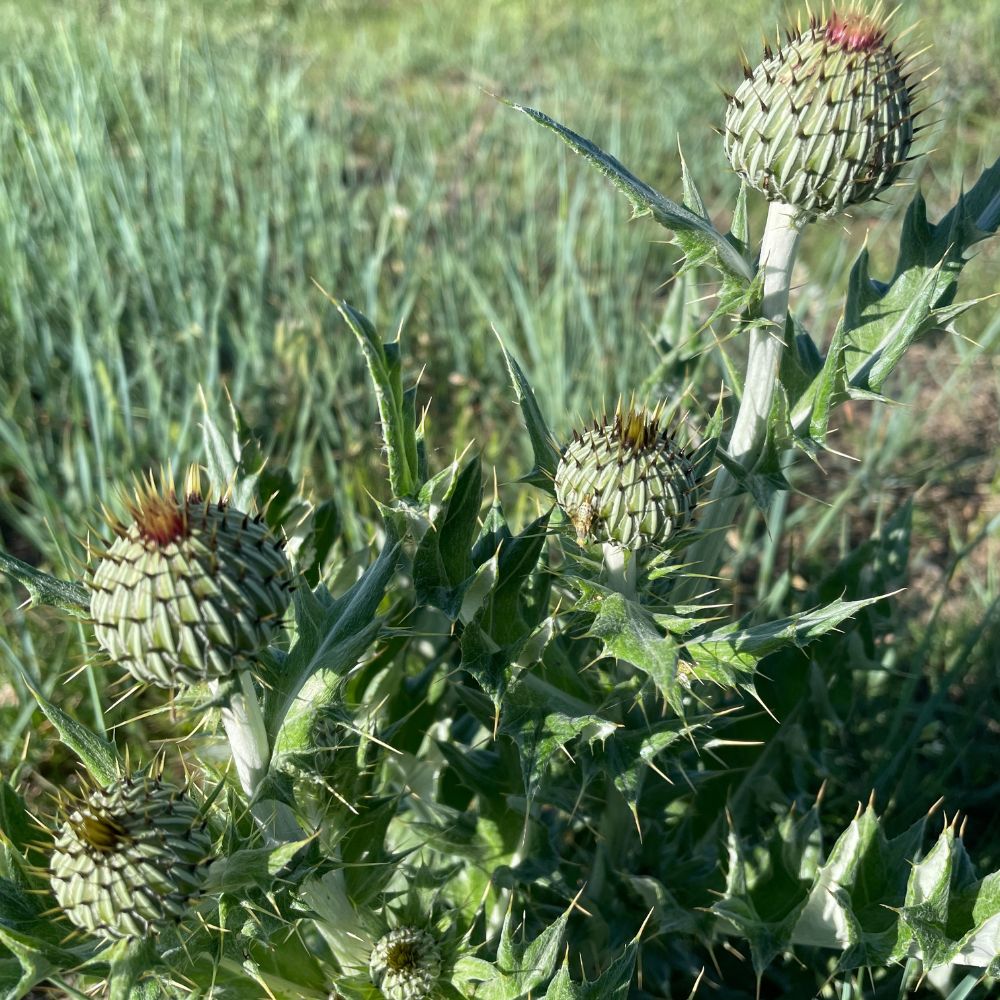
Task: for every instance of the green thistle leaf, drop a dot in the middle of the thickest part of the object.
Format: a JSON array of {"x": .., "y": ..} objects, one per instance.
[
  {"x": 542, "y": 443},
  {"x": 701, "y": 241},
  {"x": 881, "y": 321},
  {"x": 493, "y": 639},
  {"x": 443, "y": 566},
  {"x": 613, "y": 982},
  {"x": 45, "y": 589},
  {"x": 522, "y": 967},
  {"x": 629, "y": 632},
  {"x": 735, "y": 649},
  {"x": 97, "y": 754},
  {"x": 332, "y": 635},
  {"x": 252, "y": 867},
  {"x": 540, "y": 732},
  {"x": 395, "y": 406}
]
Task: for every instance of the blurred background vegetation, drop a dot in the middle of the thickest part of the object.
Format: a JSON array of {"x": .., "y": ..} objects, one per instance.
[{"x": 174, "y": 178}]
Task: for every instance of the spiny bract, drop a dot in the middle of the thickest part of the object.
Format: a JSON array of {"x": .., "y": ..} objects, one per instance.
[
  {"x": 406, "y": 964},
  {"x": 129, "y": 857},
  {"x": 826, "y": 120},
  {"x": 627, "y": 481},
  {"x": 191, "y": 591}
]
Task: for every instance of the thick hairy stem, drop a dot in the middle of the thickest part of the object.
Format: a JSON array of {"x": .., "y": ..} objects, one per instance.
[
  {"x": 244, "y": 726},
  {"x": 777, "y": 258},
  {"x": 615, "y": 820},
  {"x": 621, "y": 576}
]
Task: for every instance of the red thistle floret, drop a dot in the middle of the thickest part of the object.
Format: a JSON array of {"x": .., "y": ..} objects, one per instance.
[
  {"x": 855, "y": 31},
  {"x": 161, "y": 519},
  {"x": 157, "y": 514}
]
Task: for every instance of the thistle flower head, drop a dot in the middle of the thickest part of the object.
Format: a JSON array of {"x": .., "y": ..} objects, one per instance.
[
  {"x": 191, "y": 589},
  {"x": 129, "y": 857},
  {"x": 826, "y": 120},
  {"x": 405, "y": 964},
  {"x": 627, "y": 480}
]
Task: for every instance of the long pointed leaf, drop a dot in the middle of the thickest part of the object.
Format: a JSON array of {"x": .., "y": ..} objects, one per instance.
[{"x": 698, "y": 237}]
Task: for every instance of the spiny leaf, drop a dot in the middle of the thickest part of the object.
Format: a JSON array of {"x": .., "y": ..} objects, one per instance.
[
  {"x": 523, "y": 966},
  {"x": 442, "y": 565},
  {"x": 543, "y": 446},
  {"x": 853, "y": 892},
  {"x": 332, "y": 635},
  {"x": 613, "y": 982},
  {"x": 949, "y": 915},
  {"x": 15, "y": 823},
  {"x": 630, "y": 633},
  {"x": 33, "y": 938},
  {"x": 97, "y": 754},
  {"x": 627, "y": 754},
  {"x": 228, "y": 468},
  {"x": 540, "y": 731},
  {"x": 501, "y": 627},
  {"x": 251, "y": 867},
  {"x": 762, "y": 900},
  {"x": 880, "y": 320},
  {"x": 129, "y": 961},
  {"x": 398, "y": 425},
  {"x": 45, "y": 589},
  {"x": 736, "y": 648},
  {"x": 699, "y": 238}
]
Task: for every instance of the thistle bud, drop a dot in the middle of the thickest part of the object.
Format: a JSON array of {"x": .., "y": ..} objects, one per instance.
[
  {"x": 825, "y": 121},
  {"x": 192, "y": 589},
  {"x": 129, "y": 857},
  {"x": 405, "y": 964},
  {"x": 627, "y": 480}
]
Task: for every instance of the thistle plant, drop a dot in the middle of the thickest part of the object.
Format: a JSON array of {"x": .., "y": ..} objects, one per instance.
[{"x": 514, "y": 747}]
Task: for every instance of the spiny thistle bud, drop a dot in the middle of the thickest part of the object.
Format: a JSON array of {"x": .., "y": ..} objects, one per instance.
[
  {"x": 129, "y": 857},
  {"x": 405, "y": 964},
  {"x": 191, "y": 590},
  {"x": 333, "y": 743},
  {"x": 826, "y": 120},
  {"x": 628, "y": 481}
]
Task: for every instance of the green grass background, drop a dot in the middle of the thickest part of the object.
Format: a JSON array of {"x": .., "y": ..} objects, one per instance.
[{"x": 174, "y": 177}]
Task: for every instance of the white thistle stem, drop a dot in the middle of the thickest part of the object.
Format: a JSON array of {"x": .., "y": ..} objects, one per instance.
[
  {"x": 777, "y": 259},
  {"x": 244, "y": 725},
  {"x": 616, "y": 562}
]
